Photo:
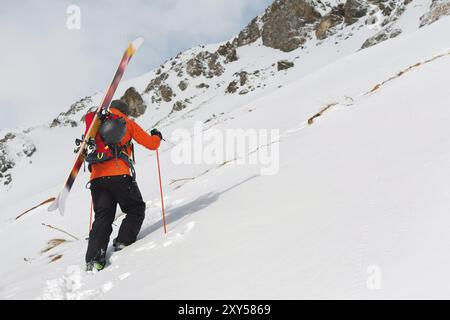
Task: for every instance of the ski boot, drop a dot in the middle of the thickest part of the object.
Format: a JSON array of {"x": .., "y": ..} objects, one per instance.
[
  {"x": 118, "y": 245},
  {"x": 95, "y": 266}
]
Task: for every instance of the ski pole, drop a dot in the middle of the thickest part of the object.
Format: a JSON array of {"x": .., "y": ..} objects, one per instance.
[
  {"x": 161, "y": 191},
  {"x": 170, "y": 142}
]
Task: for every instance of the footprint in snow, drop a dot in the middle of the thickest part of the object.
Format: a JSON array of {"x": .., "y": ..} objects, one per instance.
[
  {"x": 146, "y": 247},
  {"x": 107, "y": 286},
  {"x": 113, "y": 258},
  {"x": 123, "y": 276},
  {"x": 68, "y": 286},
  {"x": 168, "y": 241},
  {"x": 177, "y": 236},
  {"x": 11, "y": 293}
]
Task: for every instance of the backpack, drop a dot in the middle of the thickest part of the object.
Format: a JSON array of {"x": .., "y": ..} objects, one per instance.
[{"x": 106, "y": 144}]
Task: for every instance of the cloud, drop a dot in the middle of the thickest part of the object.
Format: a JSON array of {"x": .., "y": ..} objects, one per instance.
[{"x": 46, "y": 67}]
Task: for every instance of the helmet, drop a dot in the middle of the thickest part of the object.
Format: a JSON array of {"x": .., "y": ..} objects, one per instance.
[
  {"x": 121, "y": 106},
  {"x": 112, "y": 131}
]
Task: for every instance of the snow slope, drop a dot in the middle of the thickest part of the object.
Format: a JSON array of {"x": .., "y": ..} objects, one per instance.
[{"x": 363, "y": 187}]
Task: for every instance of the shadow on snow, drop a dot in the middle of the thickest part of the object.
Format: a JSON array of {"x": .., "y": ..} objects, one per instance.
[{"x": 200, "y": 203}]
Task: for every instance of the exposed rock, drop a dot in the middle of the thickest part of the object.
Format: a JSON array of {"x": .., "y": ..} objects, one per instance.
[
  {"x": 202, "y": 86},
  {"x": 66, "y": 122},
  {"x": 7, "y": 178},
  {"x": 179, "y": 69},
  {"x": 228, "y": 51},
  {"x": 388, "y": 7},
  {"x": 287, "y": 24},
  {"x": 355, "y": 9},
  {"x": 210, "y": 119},
  {"x": 394, "y": 33},
  {"x": 392, "y": 11},
  {"x": 335, "y": 17},
  {"x": 243, "y": 77},
  {"x": 325, "y": 24},
  {"x": 205, "y": 63},
  {"x": 162, "y": 91},
  {"x": 248, "y": 35},
  {"x": 5, "y": 162},
  {"x": 183, "y": 85},
  {"x": 179, "y": 105},
  {"x": 438, "y": 9},
  {"x": 156, "y": 82},
  {"x": 135, "y": 101},
  {"x": 13, "y": 147},
  {"x": 194, "y": 67},
  {"x": 284, "y": 64},
  {"x": 66, "y": 118},
  {"x": 7, "y": 137},
  {"x": 381, "y": 36},
  {"x": 215, "y": 68},
  {"x": 166, "y": 92},
  {"x": 232, "y": 87},
  {"x": 156, "y": 99},
  {"x": 28, "y": 149},
  {"x": 244, "y": 82}
]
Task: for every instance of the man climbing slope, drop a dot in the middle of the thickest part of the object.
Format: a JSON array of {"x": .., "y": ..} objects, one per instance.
[{"x": 113, "y": 181}]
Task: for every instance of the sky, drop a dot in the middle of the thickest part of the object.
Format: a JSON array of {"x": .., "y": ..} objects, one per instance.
[{"x": 46, "y": 66}]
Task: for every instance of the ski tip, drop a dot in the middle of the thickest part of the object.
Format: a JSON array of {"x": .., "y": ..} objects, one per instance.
[
  {"x": 56, "y": 206},
  {"x": 137, "y": 43}
]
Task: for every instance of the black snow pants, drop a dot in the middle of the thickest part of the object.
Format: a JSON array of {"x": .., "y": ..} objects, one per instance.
[{"x": 106, "y": 193}]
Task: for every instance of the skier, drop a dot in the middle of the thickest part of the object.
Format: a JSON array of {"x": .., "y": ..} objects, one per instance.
[{"x": 113, "y": 181}]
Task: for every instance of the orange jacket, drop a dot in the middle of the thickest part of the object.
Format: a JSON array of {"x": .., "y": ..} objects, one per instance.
[{"x": 116, "y": 167}]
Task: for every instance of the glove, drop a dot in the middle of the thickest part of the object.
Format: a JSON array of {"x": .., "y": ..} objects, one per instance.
[{"x": 155, "y": 132}]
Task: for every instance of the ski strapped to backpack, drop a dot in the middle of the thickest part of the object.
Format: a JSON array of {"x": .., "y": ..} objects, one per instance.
[
  {"x": 60, "y": 202},
  {"x": 106, "y": 145}
]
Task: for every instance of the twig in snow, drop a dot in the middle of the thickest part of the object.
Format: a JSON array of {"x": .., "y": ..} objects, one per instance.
[
  {"x": 55, "y": 257},
  {"x": 53, "y": 244},
  {"x": 172, "y": 181},
  {"x": 328, "y": 106},
  {"x": 402, "y": 72},
  {"x": 35, "y": 207},
  {"x": 52, "y": 227}
]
